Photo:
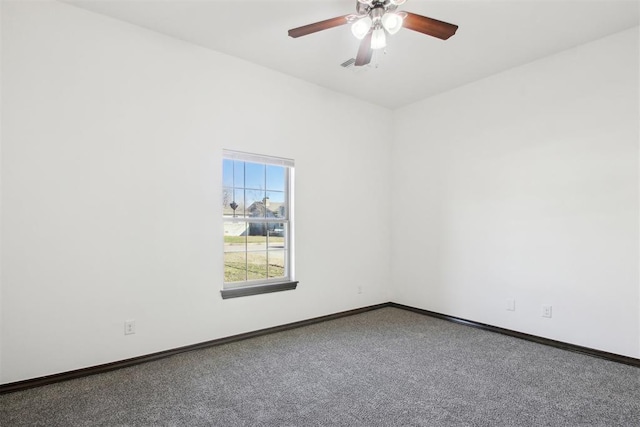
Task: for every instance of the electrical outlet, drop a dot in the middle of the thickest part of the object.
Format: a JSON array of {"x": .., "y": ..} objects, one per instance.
[
  {"x": 129, "y": 327},
  {"x": 546, "y": 311},
  {"x": 360, "y": 289},
  {"x": 511, "y": 304}
]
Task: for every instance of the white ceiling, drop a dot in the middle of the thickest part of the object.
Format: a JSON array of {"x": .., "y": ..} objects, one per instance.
[{"x": 493, "y": 36}]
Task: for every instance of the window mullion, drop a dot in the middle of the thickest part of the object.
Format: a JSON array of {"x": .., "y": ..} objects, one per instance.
[{"x": 246, "y": 223}]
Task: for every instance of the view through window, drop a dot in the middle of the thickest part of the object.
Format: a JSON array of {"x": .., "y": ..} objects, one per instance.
[{"x": 257, "y": 219}]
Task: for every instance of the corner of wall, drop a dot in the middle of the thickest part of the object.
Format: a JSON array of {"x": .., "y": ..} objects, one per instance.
[{"x": 1, "y": 133}]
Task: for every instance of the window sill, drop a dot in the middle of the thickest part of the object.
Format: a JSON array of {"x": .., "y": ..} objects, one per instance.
[{"x": 258, "y": 289}]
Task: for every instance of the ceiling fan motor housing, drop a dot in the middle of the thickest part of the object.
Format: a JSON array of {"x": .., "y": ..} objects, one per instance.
[
  {"x": 376, "y": 8},
  {"x": 376, "y": 13}
]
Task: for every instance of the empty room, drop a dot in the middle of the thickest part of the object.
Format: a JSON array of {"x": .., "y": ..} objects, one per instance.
[{"x": 319, "y": 213}]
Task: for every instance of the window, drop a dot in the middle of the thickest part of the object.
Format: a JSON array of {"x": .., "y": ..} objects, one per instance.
[{"x": 257, "y": 212}]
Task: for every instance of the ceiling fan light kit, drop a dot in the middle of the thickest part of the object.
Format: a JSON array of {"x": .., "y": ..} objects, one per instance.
[
  {"x": 392, "y": 22},
  {"x": 378, "y": 39},
  {"x": 374, "y": 20},
  {"x": 361, "y": 27}
]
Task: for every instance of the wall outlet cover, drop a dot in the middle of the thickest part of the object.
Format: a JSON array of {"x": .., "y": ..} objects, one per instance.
[{"x": 129, "y": 327}]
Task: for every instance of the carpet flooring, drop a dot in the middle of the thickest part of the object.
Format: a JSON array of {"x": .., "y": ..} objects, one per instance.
[{"x": 387, "y": 367}]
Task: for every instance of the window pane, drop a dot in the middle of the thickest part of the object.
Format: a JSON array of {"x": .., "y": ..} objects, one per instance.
[
  {"x": 275, "y": 178},
  {"x": 275, "y": 267},
  {"x": 277, "y": 236},
  {"x": 232, "y": 202},
  {"x": 257, "y": 233},
  {"x": 275, "y": 204},
  {"x": 238, "y": 199},
  {"x": 238, "y": 174},
  {"x": 256, "y": 265},
  {"x": 256, "y": 207},
  {"x": 235, "y": 236},
  {"x": 235, "y": 266},
  {"x": 227, "y": 173},
  {"x": 254, "y": 176},
  {"x": 227, "y": 200}
]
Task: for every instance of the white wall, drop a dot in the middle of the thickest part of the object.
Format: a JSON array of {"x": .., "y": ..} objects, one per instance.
[
  {"x": 525, "y": 185},
  {"x": 111, "y": 171},
  {"x": 1, "y": 133}
]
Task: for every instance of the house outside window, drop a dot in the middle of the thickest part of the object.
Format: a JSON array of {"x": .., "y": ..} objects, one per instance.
[{"x": 258, "y": 227}]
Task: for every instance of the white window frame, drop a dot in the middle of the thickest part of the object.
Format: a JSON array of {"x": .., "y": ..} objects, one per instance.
[{"x": 259, "y": 286}]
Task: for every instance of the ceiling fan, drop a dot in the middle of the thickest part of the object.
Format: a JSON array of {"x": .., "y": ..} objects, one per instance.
[{"x": 373, "y": 20}]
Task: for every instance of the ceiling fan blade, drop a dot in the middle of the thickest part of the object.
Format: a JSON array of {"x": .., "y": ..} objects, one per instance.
[
  {"x": 364, "y": 51},
  {"x": 318, "y": 26},
  {"x": 429, "y": 26}
]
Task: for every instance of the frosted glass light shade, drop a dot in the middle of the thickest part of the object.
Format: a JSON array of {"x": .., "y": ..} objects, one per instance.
[
  {"x": 378, "y": 39},
  {"x": 361, "y": 27},
  {"x": 392, "y": 22}
]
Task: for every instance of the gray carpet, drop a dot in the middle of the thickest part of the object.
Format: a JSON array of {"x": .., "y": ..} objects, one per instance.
[{"x": 387, "y": 367}]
